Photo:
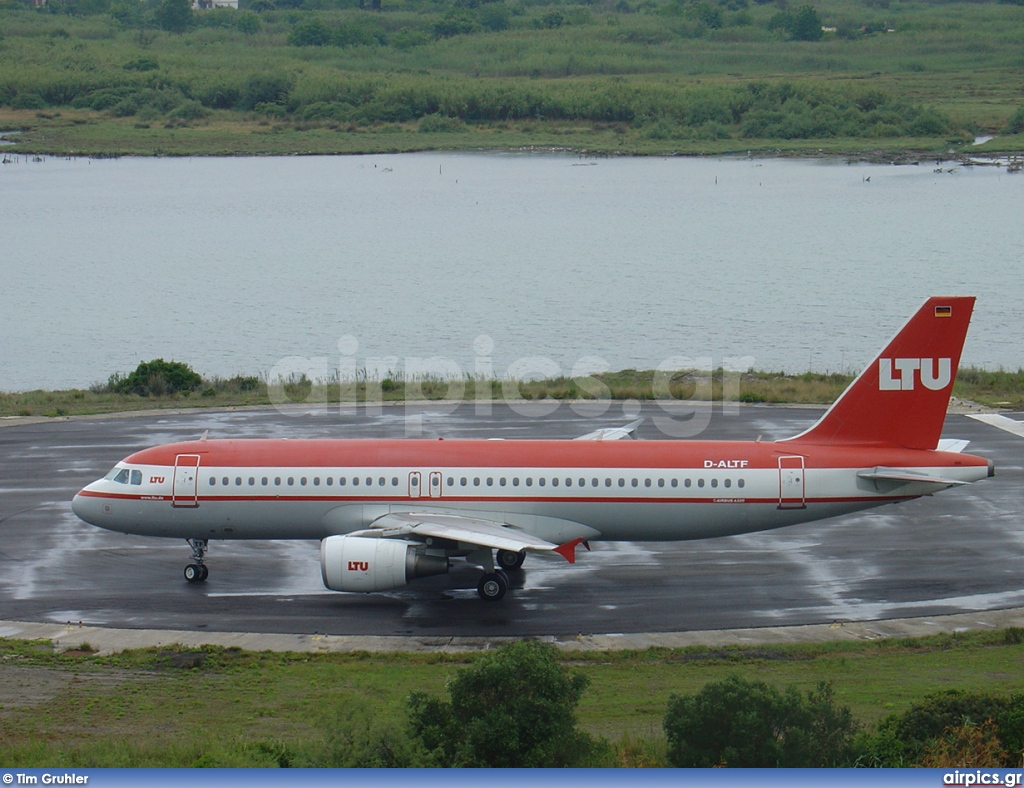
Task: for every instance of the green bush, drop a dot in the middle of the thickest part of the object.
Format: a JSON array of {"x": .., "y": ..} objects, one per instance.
[
  {"x": 156, "y": 378},
  {"x": 515, "y": 707},
  {"x": 744, "y": 723},
  {"x": 905, "y": 739},
  {"x": 1015, "y": 125}
]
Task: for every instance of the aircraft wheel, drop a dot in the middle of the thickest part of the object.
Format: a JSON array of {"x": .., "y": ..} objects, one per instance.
[
  {"x": 493, "y": 586},
  {"x": 508, "y": 559},
  {"x": 204, "y": 572},
  {"x": 194, "y": 573}
]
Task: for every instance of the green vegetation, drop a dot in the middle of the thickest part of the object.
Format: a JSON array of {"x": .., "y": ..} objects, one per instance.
[
  {"x": 642, "y": 76},
  {"x": 744, "y": 723},
  {"x": 513, "y": 708},
  {"x": 159, "y": 384},
  {"x": 227, "y": 707}
]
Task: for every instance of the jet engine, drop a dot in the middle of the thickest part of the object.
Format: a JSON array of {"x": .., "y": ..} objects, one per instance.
[{"x": 360, "y": 563}]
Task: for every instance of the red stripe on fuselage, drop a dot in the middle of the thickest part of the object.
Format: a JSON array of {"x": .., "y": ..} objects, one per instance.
[{"x": 537, "y": 454}]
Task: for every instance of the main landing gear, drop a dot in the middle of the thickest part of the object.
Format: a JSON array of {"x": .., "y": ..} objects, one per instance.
[
  {"x": 494, "y": 583},
  {"x": 197, "y": 571}
]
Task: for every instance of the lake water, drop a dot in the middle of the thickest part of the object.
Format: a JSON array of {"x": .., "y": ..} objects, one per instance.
[{"x": 521, "y": 263}]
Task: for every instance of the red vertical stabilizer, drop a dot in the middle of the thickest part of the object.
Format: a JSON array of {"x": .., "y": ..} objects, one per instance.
[{"x": 902, "y": 396}]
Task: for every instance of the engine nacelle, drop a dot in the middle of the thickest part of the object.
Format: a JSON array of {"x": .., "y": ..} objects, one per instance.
[{"x": 360, "y": 563}]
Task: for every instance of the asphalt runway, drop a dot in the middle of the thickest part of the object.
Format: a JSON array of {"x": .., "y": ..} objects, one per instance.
[{"x": 959, "y": 551}]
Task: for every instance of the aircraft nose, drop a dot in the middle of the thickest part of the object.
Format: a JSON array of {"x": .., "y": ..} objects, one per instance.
[{"x": 85, "y": 507}]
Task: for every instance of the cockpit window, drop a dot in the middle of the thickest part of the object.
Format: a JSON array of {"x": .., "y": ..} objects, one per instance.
[{"x": 125, "y": 476}]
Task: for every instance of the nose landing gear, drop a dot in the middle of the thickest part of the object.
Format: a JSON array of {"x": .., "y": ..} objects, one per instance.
[{"x": 197, "y": 571}]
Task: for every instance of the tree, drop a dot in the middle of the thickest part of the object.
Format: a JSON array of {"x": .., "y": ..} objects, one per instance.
[
  {"x": 312, "y": 33},
  {"x": 175, "y": 16},
  {"x": 515, "y": 707},
  {"x": 805, "y": 25},
  {"x": 743, "y": 723}
]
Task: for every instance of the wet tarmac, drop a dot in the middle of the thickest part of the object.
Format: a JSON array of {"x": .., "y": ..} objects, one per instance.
[{"x": 957, "y": 552}]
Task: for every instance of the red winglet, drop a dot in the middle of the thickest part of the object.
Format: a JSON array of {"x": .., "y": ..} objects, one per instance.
[{"x": 568, "y": 550}]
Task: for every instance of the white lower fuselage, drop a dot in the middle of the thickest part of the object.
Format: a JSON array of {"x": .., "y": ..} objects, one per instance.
[{"x": 759, "y": 486}]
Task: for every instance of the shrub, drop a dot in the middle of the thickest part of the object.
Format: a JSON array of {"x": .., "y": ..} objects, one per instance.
[
  {"x": 944, "y": 722},
  {"x": 312, "y": 33},
  {"x": 1015, "y": 125},
  {"x": 515, "y": 707},
  {"x": 744, "y": 723},
  {"x": 156, "y": 378}
]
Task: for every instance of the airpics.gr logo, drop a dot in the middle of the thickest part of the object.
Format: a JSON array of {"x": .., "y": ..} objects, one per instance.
[{"x": 897, "y": 374}]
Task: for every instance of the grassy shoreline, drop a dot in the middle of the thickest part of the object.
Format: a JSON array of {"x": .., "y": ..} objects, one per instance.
[
  {"x": 998, "y": 389},
  {"x": 228, "y": 707},
  {"x": 72, "y": 132}
]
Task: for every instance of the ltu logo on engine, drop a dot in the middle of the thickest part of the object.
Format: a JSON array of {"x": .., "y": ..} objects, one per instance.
[
  {"x": 934, "y": 373},
  {"x": 358, "y": 566}
]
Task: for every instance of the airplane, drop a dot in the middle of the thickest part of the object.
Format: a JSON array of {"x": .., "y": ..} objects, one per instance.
[{"x": 387, "y": 512}]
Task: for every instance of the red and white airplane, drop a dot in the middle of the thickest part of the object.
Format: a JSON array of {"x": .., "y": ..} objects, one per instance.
[{"x": 390, "y": 511}]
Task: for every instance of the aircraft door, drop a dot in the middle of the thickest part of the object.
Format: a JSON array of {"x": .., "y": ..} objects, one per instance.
[
  {"x": 792, "y": 483},
  {"x": 434, "y": 490},
  {"x": 185, "y": 490},
  {"x": 415, "y": 484}
]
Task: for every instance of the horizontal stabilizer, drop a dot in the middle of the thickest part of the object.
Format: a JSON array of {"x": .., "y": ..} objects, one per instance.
[
  {"x": 954, "y": 445},
  {"x": 902, "y": 475},
  {"x": 612, "y": 433}
]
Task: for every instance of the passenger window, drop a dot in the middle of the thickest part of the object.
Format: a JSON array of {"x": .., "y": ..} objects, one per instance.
[
  {"x": 714, "y": 482},
  {"x": 394, "y": 481},
  {"x": 607, "y": 482},
  {"x": 635, "y": 482},
  {"x": 355, "y": 481},
  {"x": 490, "y": 481},
  {"x": 728, "y": 482},
  {"x": 463, "y": 481},
  {"x": 451, "y": 481},
  {"x": 342, "y": 481},
  {"x": 291, "y": 481},
  {"x": 382, "y": 481},
  {"x": 529, "y": 481},
  {"x": 316, "y": 481},
  {"x": 476, "y": 481},
  {"x": 739, "y": 483},
  {"x": 213, "y": 480},
  {"x": 330, "y": 481},
  {"x": 622, "y": 482},
  {"x": 264, "y": 481},
  {"x": 554, "y": 482},
  {"x": 369, "y": 481},
  {"x": 277, "y": 481},
  {"x": 675, "y": 482},
  {"x": 252, "y": 481},
  {"x": 700, "y": 482},
  {"x": 225, "y": 481},
  {"x": 661, "y": 482},
  {"x": 501, "y": 481},
  {"x": 688, "y": 483},
  {"x": 302, "y": 481},
  {"x": 238, "y": 481},
  {"x": 515, "y": 481}
]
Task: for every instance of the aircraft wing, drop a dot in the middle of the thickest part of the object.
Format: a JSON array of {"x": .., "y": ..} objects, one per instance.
[
  {"x": 470, "y": 530},
  {"x": 611, "y": 433}
]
